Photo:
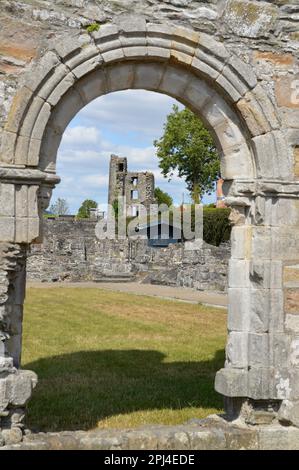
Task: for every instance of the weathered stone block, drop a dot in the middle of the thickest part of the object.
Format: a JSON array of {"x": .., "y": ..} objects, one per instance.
[
  {"x": 148, "y": 76},
  {"x": 105, "y": 33},
  {"x": 20, "y": 386},
  {"x": 63, "y": 86},
  {"x": 241, "y": 242},
  {"x": 213, "y": 48},
  {"x": 197, "y": 93},
  {"x": 12, "y": 436},
  {"x": 289, "y": 413},
  {"x": 287, "y": 91},
  {"x": 291, "y": 302},
  {"x": 88, "y": 66},
  {"x": 250, "y": 19},
  {"x": 229, "y": 89},
  {"x": 292, "y": 323},
  {"x": 266, "y": 274},
  {"x": 33, "y": 200},
  {"x": 276, "y": 317},
  {"x": 48, "y": 65},
  {"x": 131, "y": 23},
  {"x": 33, "y": 228},
  {"x": 260, "y": 383},
  {"x": 282, "y": 383},
  {"x": 174, "y": 81},
  {"x": 291, "y": 275},
  {"x": 278, "y": 438},
  {"x": 258, "y": 349},
  {"x": 3, "y": 395},
  {"x": 262, "y": 243},
  {"x": 31, "y": 117},
  {"x": 260, "y": 310},
  {"x": 71, "y": 45},
  {"x": 237, "y": 161},
  {"x": 17, "y": 109},
  {"x": 40, "y": 123},
  {"x": 7, "y": 200},
  {"x": 66, "y": 110},
  {"x": 238, "y": 273},
  {"x": 239, "y": 75},
  {"x": 7, "y": 229},
  {"x": 204, "y": 440},
  {"x": 7, "y": 148},
  {"x": 232, "y": 382},
  {"x": 120, "y": 77},
  {"x": 93, "y": 86},
  {"x": 21, "y": 235},
  {"x": 113, "y": 55},
  {"x": 238, "y": 309},
  {"x": 21, "y": 200},
  {"x": 268, "y": 149},
  {"x": 34, "y": 143},
  {"x": 258, "y": 111},
  {"x": 237, "y": 350},
  {"x": 50, "y": 145}
]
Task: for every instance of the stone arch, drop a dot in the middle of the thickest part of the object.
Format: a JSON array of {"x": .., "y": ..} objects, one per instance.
[
  {"x": 190, "y": 66},
  {"x": 256, "y": 164}
]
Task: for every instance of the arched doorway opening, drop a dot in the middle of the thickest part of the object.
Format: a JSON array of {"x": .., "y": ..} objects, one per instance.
[{"x": 224, "y": 92}]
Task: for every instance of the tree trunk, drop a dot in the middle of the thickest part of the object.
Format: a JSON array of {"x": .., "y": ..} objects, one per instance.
[{"x": 196, "y": 193}]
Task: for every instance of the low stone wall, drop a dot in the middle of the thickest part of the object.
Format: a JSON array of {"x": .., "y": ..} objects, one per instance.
[
  {"x": 213, "y": 433},
  {"x": 71, "y": 251}
]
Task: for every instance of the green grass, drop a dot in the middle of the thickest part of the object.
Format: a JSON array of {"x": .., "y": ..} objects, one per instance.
[{"x": 108, "y": 359}]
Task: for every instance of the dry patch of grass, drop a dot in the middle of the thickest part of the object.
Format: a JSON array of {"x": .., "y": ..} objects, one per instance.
[{"x": 110, "y": 359}]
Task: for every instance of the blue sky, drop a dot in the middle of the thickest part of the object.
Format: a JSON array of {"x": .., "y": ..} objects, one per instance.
[{"x": 124, "y": 123}]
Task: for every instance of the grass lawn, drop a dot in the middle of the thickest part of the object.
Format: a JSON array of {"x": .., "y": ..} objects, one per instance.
[{"x": 108, "y": 359}]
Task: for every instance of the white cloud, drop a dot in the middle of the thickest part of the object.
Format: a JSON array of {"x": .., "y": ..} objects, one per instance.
[
  {"x": 95, "y": 180},
  {"x": 132, "y": 111},
  {"x": 80, "y": 136}
]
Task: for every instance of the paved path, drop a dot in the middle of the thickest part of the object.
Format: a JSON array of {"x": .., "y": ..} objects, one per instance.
[{"x": 184, "y": 294}]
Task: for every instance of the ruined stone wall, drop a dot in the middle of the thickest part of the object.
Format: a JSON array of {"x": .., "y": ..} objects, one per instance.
[
  {"x": 136, "y": 187},
  {"x": 71, "y": 252},
  {"x": 262, "y": 33}
]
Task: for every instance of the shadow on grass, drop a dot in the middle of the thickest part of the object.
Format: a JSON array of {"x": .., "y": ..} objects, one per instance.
[{"x": 77, "y": 390}]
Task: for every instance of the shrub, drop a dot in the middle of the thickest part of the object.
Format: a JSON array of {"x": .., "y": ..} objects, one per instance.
[{"x": 216, "y": 225}]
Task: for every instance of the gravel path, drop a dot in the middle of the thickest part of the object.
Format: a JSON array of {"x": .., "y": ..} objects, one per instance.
[{"x": 184, "y": 294}]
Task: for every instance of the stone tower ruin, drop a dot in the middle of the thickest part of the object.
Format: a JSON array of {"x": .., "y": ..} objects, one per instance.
[{"x": 137, "y": 187}]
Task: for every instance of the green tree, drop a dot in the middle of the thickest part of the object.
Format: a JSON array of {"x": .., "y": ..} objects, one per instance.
[
  {"x": 84, "y": 210},
  {"x": 187, "y": 147},
  {"x": 162, "y": 197},
  {"x": 60, "y": 207}
]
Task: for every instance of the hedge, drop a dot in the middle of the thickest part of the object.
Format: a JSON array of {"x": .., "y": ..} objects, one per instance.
[{"x": 216, "y": 225}]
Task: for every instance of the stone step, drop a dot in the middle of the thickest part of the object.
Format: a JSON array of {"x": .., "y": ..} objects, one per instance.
[{"x": 115, "y": 278}]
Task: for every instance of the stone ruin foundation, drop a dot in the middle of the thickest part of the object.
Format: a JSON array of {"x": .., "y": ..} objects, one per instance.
[
  {"x": 235, "y": 64},
  {"x": 70, "y": 251}
]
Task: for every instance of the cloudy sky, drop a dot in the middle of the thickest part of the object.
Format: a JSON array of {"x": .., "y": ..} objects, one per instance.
[{"x": 124, "y": 123}]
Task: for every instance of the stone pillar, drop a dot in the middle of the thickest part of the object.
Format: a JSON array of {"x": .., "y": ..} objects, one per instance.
[
  {"x": 23, "y": 196},
  {"x": 15, "y": 385},
  {"x": 261, "y": 374}
]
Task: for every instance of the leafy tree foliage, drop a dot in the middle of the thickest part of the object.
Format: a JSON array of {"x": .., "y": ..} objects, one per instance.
[
  {"x": 188, "y": 148},
  {"x": 162, "y": 197},
  {"x": 84, "y": 210}
]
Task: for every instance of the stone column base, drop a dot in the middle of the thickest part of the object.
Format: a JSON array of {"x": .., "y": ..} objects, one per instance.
[{"x": 15, "y": 390}]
